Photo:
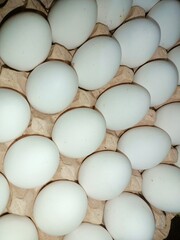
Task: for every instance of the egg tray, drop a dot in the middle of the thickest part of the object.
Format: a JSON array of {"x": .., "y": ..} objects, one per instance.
[{"x": 21, "y": 200}]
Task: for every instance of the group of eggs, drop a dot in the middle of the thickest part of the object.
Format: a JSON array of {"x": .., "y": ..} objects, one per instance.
[{"x": 31, "y": 161}]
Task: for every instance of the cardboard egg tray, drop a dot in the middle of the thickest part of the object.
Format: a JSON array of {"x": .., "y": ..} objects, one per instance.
[{"x": 21, "y": 200}]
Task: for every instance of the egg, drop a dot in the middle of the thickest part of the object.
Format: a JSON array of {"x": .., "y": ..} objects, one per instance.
[
  {"x": 72, "y": 21},
  {"x": 146, "y": 5},
  {"x": 123, "y": 106},
  {"x": 17, "y": 227},
  {"x": 113, "y": 12},
  {"x": 51, "y": 87},
  {"x": 97, "y": 61},
  {"x": 25, "y": 40},
  {"x": 139, "y": 39},
  {"x": 167, "y": 15},
  {"x": 141, "y": 146},
  {"x": 160, "y": 78},
  {"x": 79, "y": 132},
  {"x": 168, "y": 118},
  {"x": 31, "y": 161},
  {"x": 60, "y": 207},
  {"x": 160, "y": 187},
  {"x": 104, "y": 175},
  {"x": 174, "y": 56},
  {"x": 4, "y": 193},
  {"x": 88, "y": 231},
  {"x": 178, "y": 159},
  {"x": 15, "y": 114},
  {"x": 129, "y": 217}
]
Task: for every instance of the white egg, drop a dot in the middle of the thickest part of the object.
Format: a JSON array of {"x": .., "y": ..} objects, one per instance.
[
  {"x": 4, "y": 193},
  {"x": 174, "y": 56},
  {"x": 129, "y": 217},
  {"x": 161, "y": 187},
  {"x": 79, "y": 132},
  {"x": 146, "y": 5},
  {"x": 97, "y": 61},
  {"x": 60, "y": 207},
  {"x": 167, "y": 15},
  {"x": 139, "y": 39},
  {"x": 178, "y": 152},
  {"x": 51, "y": 87},
  {"x": 72, "y": 21},
  {"x": 113, "y": 12},
  {"x": 168, "y": 118},
  {"x": 15, "y": 227},
  {"x": 104, "y": 175},
  {"x": 160, "y": 78},
  {"x": 31, "y": 161},
  {"x": 25, "y": 40},
  {"x": 15, "y": 114},
  {"x": 123, "y": 106},
  {"x": 88, "y": 231},
  {"x": 141, "y": 146}
]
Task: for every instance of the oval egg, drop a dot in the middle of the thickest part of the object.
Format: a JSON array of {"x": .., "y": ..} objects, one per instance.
[
  {"x": 141, "y": 146},
  {"x": 112, "y": 12},
  {"x": 89, "y": 231},
  {"x": 79, "y": 132},
  {"x": 167, "y": 15},
  {"x": 31, "y": 161},
  {"x": 60, "y": 207},
  {"x": 123, "y": 106},
  {"x": 97, "y": 61},
  {"x": 17, "y": 228},
  {"x": 95, "y": 174},
  {"x": 135, "y": 35},
  {"x": 51, "y": 87},
  {"x": 174, "y": 56},
  {"x": 160, "y": 187},
  {"x": 160, "y": 78},
  {"x": 25, "y": 40},
  {"x": 129, "y": 217},
  {"x": 4, "y": 193},
  {"x": 15, "y": 114},
  {"x": 168, "y": 118},
  {"x": 72, "y": 21}
]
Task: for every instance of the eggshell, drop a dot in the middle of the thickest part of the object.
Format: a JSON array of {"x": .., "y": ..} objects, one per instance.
[
  {"x": 146, "y": 5},
  {"x": 178, "y": 160},
  {"x": 60, "y": 207},
  {"x": 72, "y": 21},
  {"x": 25, "y": 40},
  {"x": 15, "y": 114},
  {"x": 97, "y": 61},
  {"x": 104, "y": 175},
  {"x": 79, "y": 132},
  {"x": 51, "y": 87},
  {"x": 168, "y": 118},
  {"x": 161, "y": 187},
  {"x": 17, "y": 228},
  {"x": 129, "y": 217},
  {"x": 88, "y": 231},
  {"x": 139, "y": 39},
  {"x": 167, "y": 15},
  {"x": 174, "y": 56},
  {"x": 123, "y": 106},
  {"x": 35, "y": 156},
  {"x": 141, "y": 146},
  {"x": 4, "y": 193},
  {"x": 113, "y": 12},
  {"x": 160, "y": 78}
]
